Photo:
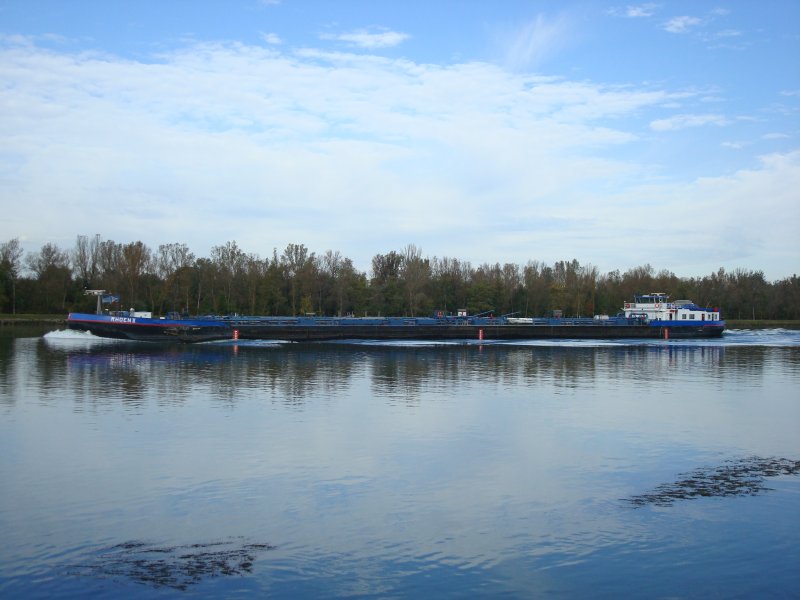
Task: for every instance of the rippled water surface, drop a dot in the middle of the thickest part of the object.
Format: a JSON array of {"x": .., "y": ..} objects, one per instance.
[{"x": 400, "y": 470}]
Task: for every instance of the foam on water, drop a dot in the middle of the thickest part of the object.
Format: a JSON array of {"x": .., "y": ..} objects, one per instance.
[
  {"x": 777, "y": 337},
  {"x": 732, "y": 337},
  {"x": 60, "y": 336}
]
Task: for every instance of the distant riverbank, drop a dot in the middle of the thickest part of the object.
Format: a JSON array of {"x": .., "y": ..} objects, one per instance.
[
  {"x": 731, "y": 323},
  {"x": 761, "y": 324},
  {"x": 32, "y": 320}
]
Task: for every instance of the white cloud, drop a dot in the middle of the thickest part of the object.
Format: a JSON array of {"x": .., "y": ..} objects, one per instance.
[
  {"x": 272, "y": 38},
  {"x": 727, "y": 33},
  {"x": 775, "y": 136},
  {"x": 642, "y": 10},
  {"x": 684, "y": 121},
  {"x": 369, "y": 39},
  {"x": 634, "y": 11},
  {"x": 361, "y": 154},
  {"x": 681, "y": 24}
]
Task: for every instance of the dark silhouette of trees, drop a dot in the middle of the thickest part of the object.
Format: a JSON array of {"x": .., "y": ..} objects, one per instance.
[
  {"x": 298, "y": 269},
  {"x": 174, "y": 265},
  {"x": 229, "y": 266},
  {"x": 172, "y": 278},
  {"x": 415, "y": 273},
  {"x": 50, "y": 267},
  {"x": 385, "y": 285},
  {"x": 86, "y": 260},
  {"x": 450, "y": 282},
  {"x": 10, "y": 263}
]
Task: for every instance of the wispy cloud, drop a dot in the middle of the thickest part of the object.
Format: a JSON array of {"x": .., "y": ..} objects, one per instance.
[
  {"x": 369, "y": 39},
  {"x": 636, "y": 11},
  {"x": 534, "y": 42},
  {"x": 685, "y": 121},
  {"x": 271, "y": 38},
  {"x": 682, "y": 24},
  {"x": 702, "y": 27},
  {"x": 727, "y": 33}
]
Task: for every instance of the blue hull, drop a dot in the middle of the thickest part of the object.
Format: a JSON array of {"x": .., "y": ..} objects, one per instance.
[{"x": 377, "y": 328}]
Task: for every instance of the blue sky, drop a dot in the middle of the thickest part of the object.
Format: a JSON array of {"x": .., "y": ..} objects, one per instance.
[{"x": 618, "y": 134}]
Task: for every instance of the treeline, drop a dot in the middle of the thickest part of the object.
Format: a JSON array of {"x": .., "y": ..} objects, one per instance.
[{"x": 297, "y": 281}]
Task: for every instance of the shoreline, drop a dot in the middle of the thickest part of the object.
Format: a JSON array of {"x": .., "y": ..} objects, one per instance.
[{"x": 11, "y": 320}]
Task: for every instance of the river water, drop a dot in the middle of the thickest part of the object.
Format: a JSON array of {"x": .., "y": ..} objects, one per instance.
[{"x": 399, "y": 470}]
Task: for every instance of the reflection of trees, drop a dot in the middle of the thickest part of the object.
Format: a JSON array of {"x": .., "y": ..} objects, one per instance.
[
  {"x": 290, "y": 374},
  {"x": 293, "y": 373},
  {"x": 6, "y": 368},
  {"x": 408, "y": 372},
  {"x": 170, "y": 374}
]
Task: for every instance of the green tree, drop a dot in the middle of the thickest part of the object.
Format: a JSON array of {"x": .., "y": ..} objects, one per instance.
[
  {"x": 174, "y": 263},
  {"x": 295, "y": 262},
  {"x": 385, "y": 287},
  {"x": 10, "y": 261},
  {"x": 415, "y": 273},
  {"x": 134, "y": 262},
  {"x": 229, "y": 261},
  {"x": 51, "y": 267},
  {"x": 450, "y": 280},
  {"x": 537, "y": 278}
]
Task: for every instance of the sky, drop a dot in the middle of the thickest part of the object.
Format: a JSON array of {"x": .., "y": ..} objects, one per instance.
[{"x": 661, "y": 133}]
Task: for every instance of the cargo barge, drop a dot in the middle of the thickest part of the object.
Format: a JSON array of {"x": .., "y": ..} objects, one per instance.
[{"x": 648, "y": 316}]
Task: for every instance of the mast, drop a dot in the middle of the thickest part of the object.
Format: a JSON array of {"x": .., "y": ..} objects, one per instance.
[{"x": 99, "y": 294}]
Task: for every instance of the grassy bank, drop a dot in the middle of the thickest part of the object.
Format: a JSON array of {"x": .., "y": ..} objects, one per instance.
[
  {"x": 761, "y": 324},
  {"x": 32, "y": 319}
]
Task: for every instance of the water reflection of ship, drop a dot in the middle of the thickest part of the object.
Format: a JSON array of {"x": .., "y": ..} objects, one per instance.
[{"x": 684, "y": 356}]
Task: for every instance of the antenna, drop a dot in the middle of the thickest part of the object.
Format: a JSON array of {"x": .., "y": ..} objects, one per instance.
[{"x": 99, "y": 294}]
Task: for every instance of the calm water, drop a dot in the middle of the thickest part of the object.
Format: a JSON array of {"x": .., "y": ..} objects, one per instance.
[{"x": 564, "y": 470}]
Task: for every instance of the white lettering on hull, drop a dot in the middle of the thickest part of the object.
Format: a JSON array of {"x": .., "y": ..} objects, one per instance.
[{"x": 123, "y": 319}]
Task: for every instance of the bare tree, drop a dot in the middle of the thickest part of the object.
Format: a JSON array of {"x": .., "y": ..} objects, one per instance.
[
  {"x": 85, "y": 259},
  {"x": 135, "y": 259},
  {"x": 173, "y": 266}
]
